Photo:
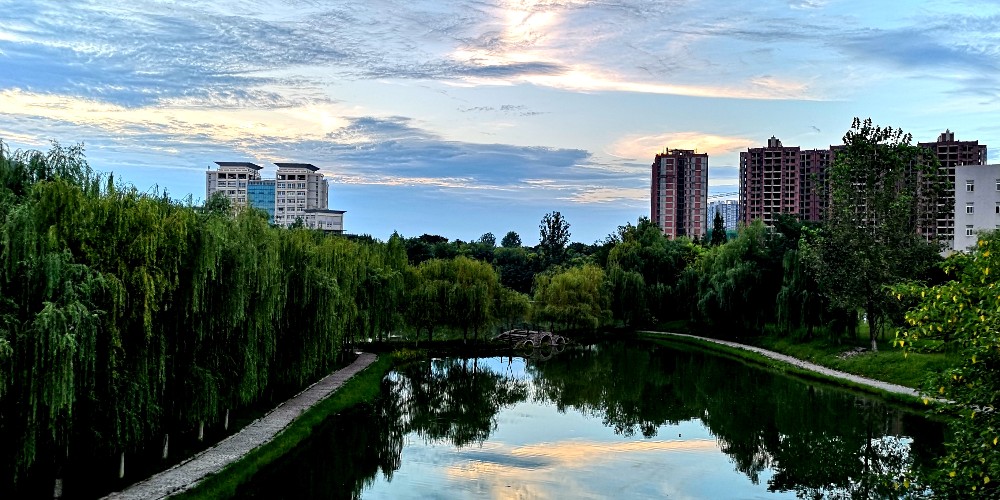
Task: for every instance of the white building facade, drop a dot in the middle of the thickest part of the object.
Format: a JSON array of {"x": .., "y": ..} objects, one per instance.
[
  {"x": 977, "y": 203},
  {"x": 299, "y": 187},
  {"x": 231, "y": 179},
  {"x": 331, "y": 221},
  {"x": 730, "y": 211}
]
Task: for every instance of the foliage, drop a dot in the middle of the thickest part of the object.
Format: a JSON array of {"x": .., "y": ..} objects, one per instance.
[
  {"x": 553, "y": 237},
  {"x": 718, "y": 230},
  {"x": 511, "y": 240},
  {"x": 732, "y": 288},
  {"x": 966, "y": 310},
  {"x": 572, "y": 299},
  {"x": 883, "y": 189}
]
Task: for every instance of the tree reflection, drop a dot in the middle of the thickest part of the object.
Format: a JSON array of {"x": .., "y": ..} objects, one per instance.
[
  {"x": 456, "y": 399},
  {"x": 818, "y": 442}
]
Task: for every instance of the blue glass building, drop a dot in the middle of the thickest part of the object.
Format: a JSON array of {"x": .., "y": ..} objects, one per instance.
[{"x": 260, "y": 194}]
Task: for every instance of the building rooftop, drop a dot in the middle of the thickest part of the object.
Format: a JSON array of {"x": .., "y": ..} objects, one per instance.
[
  {"x": 238, "y": 164},
  {"x": 309, "y": 166},
  {"x": 323, "y": 211}
]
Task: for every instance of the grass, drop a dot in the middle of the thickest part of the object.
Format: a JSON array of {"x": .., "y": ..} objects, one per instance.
[
  {"x": 362, "y": 387},
  {"x": 876, "y": 366},
  {"x": 889, "y": 364}
]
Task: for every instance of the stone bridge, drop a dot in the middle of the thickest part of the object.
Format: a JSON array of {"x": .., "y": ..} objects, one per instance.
[{"x": 530, "y": 338}]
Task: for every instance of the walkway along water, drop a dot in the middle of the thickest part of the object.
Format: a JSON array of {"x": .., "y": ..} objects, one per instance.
[
  {"x": 189, "y": 473},
  {"x": 876, "y": 384}
]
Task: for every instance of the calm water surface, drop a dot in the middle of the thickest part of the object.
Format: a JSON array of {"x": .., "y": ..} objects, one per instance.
[{"x": 616, "y": 420}]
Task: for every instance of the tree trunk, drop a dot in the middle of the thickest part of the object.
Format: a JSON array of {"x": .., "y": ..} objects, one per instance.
[
  {"x": 872, "y": 326},
  {"x": 121, "y": 466},
  {"x": 166, "y": 446},
  {"x": 225, "y": 424},
  {"x": 201, "y": 430}
]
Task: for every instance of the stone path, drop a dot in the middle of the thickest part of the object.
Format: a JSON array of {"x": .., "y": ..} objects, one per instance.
[
  {"x": 884, "y": 386},
  {"x": 188, "y": 473}
]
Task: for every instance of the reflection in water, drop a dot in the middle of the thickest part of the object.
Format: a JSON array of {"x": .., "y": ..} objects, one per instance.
[{"x": 616, "y": 419}]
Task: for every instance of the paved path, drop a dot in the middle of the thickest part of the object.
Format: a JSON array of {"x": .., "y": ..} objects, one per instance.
[
  {"x": 188, "y": 473},
  {"x": 884, "y": 386}
]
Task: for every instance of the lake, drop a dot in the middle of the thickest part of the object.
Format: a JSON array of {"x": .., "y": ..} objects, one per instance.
[{"x": 612, "y": 420}]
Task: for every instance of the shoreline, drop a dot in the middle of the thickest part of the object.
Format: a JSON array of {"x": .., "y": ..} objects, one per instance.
[
  {"x": 191, "y": 472},
  {"x": 850, "y": 378}
]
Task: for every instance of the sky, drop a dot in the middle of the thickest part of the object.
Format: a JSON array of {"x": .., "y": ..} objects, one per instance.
[{"x": 464, "y": 117}]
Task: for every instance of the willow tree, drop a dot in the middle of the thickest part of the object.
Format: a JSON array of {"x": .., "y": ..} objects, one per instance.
[
  {"x": 573, "y": 299},
  {"x": 472, "y": 295}
]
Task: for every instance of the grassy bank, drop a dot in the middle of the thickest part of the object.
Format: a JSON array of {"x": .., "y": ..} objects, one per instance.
[
  {"x": 362, "y": 387},
  {"x": 889, "y": 364},
  {"x": 782, "y": 367}
]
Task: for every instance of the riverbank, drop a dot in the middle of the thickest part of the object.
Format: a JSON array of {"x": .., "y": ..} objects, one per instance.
[
  {"x": 908, "y": 395},
  {"x": 191, "y": 473}
]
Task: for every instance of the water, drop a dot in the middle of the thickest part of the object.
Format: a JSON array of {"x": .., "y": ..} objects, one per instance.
[{"x": 617, "y": 420}]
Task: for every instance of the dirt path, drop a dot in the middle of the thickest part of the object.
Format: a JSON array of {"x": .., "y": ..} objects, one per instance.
[
  {"x": 188, "y": 473},
  {"x": 884, "y": 386}
]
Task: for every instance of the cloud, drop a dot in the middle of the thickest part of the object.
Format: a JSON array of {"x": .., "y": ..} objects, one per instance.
[
  {"x": 645, "y": 147},
  {"x": 507, "y": 471}
]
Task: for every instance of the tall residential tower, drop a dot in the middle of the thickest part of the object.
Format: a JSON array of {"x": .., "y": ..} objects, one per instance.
[{"x": 679, "y": 193}]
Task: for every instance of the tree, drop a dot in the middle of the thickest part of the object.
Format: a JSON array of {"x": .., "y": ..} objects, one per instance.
[
  {"x": 574, "y": 298},
  {"x": 554, "y": 236},
  {"x": 718, "y": 230},
  {"x": 489, "y": 240},
  {"x": 511, "y": 240},
  {"x": 218, "y": 204},
  {"x": 966, "y": 310},
  {"x": 883, "y": 190}
]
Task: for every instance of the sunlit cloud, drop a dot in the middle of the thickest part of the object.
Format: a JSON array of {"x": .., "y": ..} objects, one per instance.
[
  {"x": 645, "y": 147},
  {"x": 529, "y": 473},
  {"x": 610, "y": 195},
  {"x": 224, "y": 125}
]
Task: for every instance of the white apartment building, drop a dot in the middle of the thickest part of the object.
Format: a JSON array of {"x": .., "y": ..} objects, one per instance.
[
  {"x": 231, "y": 179},
  {"x": 331, "y": 221},
  {"x": 298, "y": 187},
  {"x": 977, "y": 203}
]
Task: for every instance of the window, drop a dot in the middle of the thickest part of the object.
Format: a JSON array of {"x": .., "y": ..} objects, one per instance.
[
  {"x": 970, "y": 186},
  {"x": 998, "y": 184},
  {"x": 969, "y": 208},
  {"x": 998, "y": 207},
  {"x": 968, "y": 230}
]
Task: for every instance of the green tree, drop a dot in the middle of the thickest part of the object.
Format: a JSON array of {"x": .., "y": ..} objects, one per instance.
[
  {"x": 718, "y": 230},
  {"x": 573, "y": 298},
  {"x": 511, "y": 240},
  {"x": 553, "y": 237},
  {"x": 883, "y": 189},
  {"x": 488, "y": 240},
  {"x": 965, "y": 309}
]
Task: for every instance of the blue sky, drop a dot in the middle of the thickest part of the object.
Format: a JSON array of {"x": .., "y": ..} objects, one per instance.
[{"x": 467, "y": 116}]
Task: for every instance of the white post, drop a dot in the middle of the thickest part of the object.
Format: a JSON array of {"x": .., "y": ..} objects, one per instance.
[
  {"x": 57, "y": 490},
  {"x": 201, "y": 430},
  {"x": 225, "y": 425},
  {"x": 166, "y": 446},
  {"x": 121, "y": 467}
]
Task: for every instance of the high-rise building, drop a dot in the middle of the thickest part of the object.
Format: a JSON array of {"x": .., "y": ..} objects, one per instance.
[
  {"x": 298, "y": 187},
  {"x": 952, "y": 154},
  {"x": 783, "y": 179},
  {"x": 730, "y": 211},
  {"x": 977, "y": 203},
  {"x": 231, "y": 179},
  {"x": 679, "y": 193},
  {"x": 260, "y": 194}
]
